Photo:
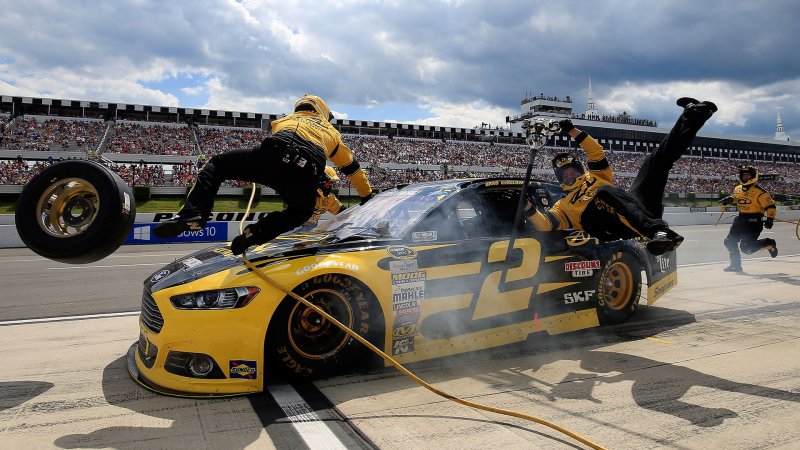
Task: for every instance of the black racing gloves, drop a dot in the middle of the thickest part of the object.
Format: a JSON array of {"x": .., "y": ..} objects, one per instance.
[
  {"x": 725, "y": 201},
  {"x": 539, "y": 197},
  {"x": 768, "y": 222}
]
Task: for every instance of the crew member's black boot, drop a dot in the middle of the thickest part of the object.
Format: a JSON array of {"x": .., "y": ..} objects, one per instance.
[
  {"x": 696, "y": 110},
  {"x": 187, "y": 219},
  {"x": 252, "y": 234},
  {"x": 664, "y": 241}
]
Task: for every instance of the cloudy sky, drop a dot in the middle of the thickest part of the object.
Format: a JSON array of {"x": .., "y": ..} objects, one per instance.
[{"x": 451, "y": 63}]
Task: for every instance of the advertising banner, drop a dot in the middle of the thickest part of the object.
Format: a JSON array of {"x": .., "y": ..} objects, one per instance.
[{"x": 142, "y": 233}]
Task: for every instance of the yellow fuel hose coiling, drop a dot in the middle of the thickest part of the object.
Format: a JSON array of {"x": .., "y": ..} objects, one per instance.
[{"x": 396, "y": 364}]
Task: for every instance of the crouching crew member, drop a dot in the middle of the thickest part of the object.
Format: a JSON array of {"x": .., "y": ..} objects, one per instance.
[
  {"x": 291, "y": 161},
  {"x": 756, "y": 212},
  {"x": 326, "y": 200},
  {"x": 593, "y": 204}
]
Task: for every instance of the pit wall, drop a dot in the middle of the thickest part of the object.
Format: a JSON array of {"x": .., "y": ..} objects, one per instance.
[{"x": 224, "y": 226}]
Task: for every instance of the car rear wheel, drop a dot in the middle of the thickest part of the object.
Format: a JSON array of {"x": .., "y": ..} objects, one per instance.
[
  {"x": 619, "y": 289},
  {"x": 302, "y": 343},
  {"x": 75, "y": 212}
]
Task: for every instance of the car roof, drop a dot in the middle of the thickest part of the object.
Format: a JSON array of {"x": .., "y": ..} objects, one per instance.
[{"x": 461, "y": 183}]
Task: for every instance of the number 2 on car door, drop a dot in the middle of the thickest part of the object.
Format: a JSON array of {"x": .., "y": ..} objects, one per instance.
[{"x": 491, "y": 301}]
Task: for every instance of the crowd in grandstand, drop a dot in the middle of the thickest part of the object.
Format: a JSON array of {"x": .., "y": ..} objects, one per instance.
[
  {"x": 150, "y": 139},
  {"x": 431, "y": 159},
  {"x": 52, "y": 134}
]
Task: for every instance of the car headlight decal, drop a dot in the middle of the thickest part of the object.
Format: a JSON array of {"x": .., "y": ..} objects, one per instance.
[{"x": 228, "y": 298}]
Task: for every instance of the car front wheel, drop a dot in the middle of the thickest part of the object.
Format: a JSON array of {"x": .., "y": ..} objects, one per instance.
[{"x": 303, "y": 343}]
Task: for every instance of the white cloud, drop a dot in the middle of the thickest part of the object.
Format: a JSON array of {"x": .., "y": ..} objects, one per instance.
[
  {"x": 463, "y": 115},
  {"x": 464, "y": 61},
  {"x": 737, "y": 103}
]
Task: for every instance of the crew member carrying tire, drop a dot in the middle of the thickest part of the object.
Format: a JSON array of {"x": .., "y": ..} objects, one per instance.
[
  {"x": 756, "y": 212},
  {"x": 593, "y": 204},
  {"x": 291, "y": 161}
]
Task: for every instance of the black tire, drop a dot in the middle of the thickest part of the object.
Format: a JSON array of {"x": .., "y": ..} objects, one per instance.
[
  {"x": 619, "y": 289},
  {"x": 75, "y": 212},
  {"x": 302, "y": 344}
]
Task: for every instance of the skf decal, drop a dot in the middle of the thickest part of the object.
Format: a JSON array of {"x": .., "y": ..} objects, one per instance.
[
  {"x": 577, "y": 297},
  {"x": 424, "y": 236},
  {"x": 401, "y": 252},
  {"x": 242, "y": 368},
  {"x": 577, "y": 265},
  {"x": 159, "y": 276}
]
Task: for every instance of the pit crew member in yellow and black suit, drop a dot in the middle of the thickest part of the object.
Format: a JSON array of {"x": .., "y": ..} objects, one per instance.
[
  {"x": 756, "y": 212},
  {"x": 594, "y": 204},
  {"x": 291, "y": 161}
]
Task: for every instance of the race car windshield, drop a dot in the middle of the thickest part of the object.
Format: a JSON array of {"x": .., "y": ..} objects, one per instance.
[{"x": 391, "y": 213}]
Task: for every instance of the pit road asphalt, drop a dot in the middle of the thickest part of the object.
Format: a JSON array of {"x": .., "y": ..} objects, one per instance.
[{"x": 714, "y": 364}]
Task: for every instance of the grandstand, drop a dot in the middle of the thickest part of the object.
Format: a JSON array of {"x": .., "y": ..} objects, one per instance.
[{"x": 163, "y": 147}]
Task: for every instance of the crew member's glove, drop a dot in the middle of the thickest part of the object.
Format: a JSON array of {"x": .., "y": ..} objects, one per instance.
[
  {"x": 539, "y": 196},
  {"x": 325, "y": 187},
  {"x": 531, "y": 210},
  {"x": 768, "y": 222},
  {"x": 366, "y": 198},
  {"x": 531, "y": 200},
  {"x": 250, "y": 236},
  {"x": 725, "y": 201},
  {"x": 565, "y": 125}
]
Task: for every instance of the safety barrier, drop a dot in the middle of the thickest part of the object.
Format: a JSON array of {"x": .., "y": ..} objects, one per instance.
[{"x": 224, "y": 226}]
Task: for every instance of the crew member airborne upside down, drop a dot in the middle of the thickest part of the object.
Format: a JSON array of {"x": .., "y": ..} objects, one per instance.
[{"x": 594, "y": 204}]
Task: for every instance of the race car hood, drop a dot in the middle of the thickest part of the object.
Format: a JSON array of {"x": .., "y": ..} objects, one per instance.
[{"x": 219, "y": 257}]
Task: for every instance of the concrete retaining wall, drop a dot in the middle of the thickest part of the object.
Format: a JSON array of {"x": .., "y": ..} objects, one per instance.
[{"x": 9, "y": 238}]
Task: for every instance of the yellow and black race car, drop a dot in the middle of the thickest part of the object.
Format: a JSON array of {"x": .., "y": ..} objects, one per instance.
[{"x": 420, "y": 271}]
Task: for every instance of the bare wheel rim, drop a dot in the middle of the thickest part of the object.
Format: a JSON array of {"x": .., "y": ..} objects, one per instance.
[
  {"x": 67, "y": 207},
  {"x": 618, "y": 285},
  {"x": 312, "y": 335}
]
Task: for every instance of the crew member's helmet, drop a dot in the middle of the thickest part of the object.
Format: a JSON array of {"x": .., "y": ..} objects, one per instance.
[
  {"x": 314, "y": 104},
  {"x": 748, "y": 169},
  {"x": 564, "y": 161}
]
